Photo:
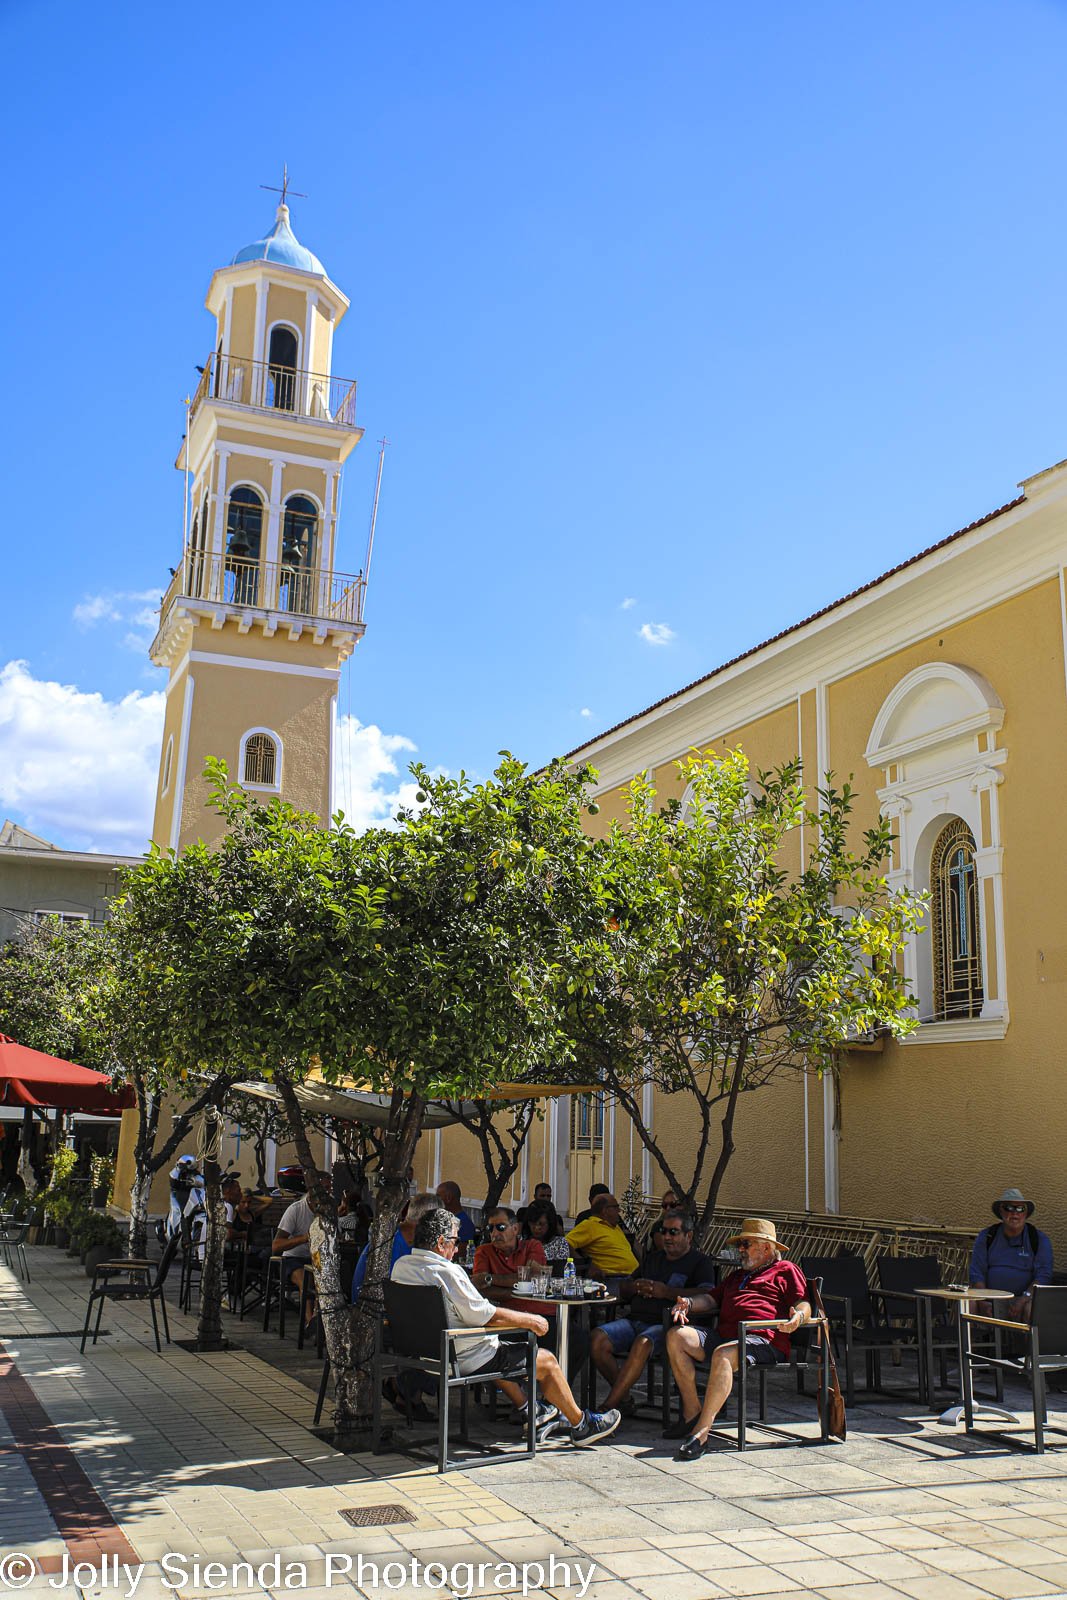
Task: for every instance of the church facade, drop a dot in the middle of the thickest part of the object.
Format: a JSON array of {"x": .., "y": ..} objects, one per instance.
[{"x": 941, "y": 687}]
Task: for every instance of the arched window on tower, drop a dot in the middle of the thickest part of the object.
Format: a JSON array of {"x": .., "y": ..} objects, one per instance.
[
  {"x": 244, "y": 528},
  {"x": 955, "y": 924},
  {"x": 260, "y": 760},
  {"x": 281, "y": 368},
  {"x": 299, "y": 553}
]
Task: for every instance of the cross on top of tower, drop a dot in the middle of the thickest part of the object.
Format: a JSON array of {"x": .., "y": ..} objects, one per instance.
[{"x": 284, "y": 190}]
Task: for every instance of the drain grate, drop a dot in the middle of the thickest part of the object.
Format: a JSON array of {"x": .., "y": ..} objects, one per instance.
[{"x": 376, "y": 1516}]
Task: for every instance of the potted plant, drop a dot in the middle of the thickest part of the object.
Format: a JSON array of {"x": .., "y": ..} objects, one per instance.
[
  {"x": 59, "y": 1197},
  {"x": 100, "y": 1238}
]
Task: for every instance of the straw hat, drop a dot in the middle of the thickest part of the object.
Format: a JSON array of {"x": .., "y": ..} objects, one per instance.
[
  {"x": 756, "y": 1228},
  {"x": 1013, "y": 1197}
]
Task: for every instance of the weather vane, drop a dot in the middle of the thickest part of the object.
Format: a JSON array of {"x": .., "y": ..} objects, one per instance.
[{"x": 284, "y": 190}]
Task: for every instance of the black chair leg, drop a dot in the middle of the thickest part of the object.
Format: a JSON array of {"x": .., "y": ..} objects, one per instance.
[
  {"x": 99, "y": 1314},
  {"x": 88, "y": 1315},
  {"x": 155, "y": 1322},
  {"x": 442, "y": 1421},
  {"x": 163, "y": 1309},
  {"x": 376, "y": 1410}
]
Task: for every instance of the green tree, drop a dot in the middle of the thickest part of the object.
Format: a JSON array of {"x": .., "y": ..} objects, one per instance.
[
  {"x": 72, "y": 990},
  {"x": 427, "y": 961},
  {"x": 720, "y": 968}
]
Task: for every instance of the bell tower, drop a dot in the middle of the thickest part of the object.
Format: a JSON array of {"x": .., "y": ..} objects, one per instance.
[{"x": 257, "y": 620}]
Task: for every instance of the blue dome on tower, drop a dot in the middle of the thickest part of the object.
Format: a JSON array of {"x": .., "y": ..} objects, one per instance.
[{"x": 281, "y": 245}]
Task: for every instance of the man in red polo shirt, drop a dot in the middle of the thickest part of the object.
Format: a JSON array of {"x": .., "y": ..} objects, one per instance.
[{"x": 762, "y": 1288}]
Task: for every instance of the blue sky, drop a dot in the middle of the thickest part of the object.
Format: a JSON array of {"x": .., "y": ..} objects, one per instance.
[{"x": 718, "y": 310}]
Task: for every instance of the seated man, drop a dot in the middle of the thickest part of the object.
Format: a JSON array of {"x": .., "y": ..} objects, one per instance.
[
  {"x": 601, "y": 1239},
  {"x": 666, "y": 1271},
  {"x": 432, "y": 1261},
  {"x": 1012, "y": 1254},
  {"x": 418, "y": 1206},
  {"x": 291, "y": 1242},
  {"x": 230, "y": 1189},
  {"x": 595, "y": 1190},
  {"x": 451, "y": 1198},
  {"x": 506, "y": 1256},
  {"x": 763, "y": 1287}
]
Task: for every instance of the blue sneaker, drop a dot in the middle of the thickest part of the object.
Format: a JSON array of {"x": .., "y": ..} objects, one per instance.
[{"x": 594, "y": 1426}]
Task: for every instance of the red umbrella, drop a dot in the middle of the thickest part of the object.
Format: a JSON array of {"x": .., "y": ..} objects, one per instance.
[{"x": 31, "y": 1078}]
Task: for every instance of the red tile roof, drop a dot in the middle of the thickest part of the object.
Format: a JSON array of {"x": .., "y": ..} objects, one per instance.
[{"x": 796, "y": 626}]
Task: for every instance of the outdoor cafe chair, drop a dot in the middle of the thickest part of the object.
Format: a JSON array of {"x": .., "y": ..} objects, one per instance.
[
  {"x": 13, "y": 1244},
  {"x": 414, "y": 1336},
  {"x": 131, "y": 1280},
  {"x": 1044, "y": 1340},
  {"x": 855, "y": 1312}
]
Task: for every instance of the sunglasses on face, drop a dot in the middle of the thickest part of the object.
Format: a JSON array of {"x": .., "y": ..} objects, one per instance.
[
  {"x": 1012, "y": 1208},
  {"x": 671, "y": 1233},
  {"x": 499, "y": 1227}
]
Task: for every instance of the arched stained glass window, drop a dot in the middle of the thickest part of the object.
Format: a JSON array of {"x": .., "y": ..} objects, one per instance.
[
  {"x": 261, "y": 760},
  {"x": 956, "y": 924}
]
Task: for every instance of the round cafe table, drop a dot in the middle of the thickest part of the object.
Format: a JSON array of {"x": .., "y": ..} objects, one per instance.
[{"x": 962, "y": 1299}]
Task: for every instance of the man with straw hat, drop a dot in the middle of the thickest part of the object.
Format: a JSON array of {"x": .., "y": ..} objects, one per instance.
[
  {"x": 764, "y": 1287},
  {"x": 1012, "y": 1254}
]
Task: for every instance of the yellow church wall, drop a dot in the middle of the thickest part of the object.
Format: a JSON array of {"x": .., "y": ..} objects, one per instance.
[
  {"x": 232, "y": 437},
  {"x": 252, "y": 470},
  {"x": 227, "y": 702},
  {"x": 935, "y": 1130},
  {"x": 253, "y": 646},
  {"x": 300, "y": 479},
  {"x": 243, "y": 322},
  {"x": 288, "y": 305},
  {"x": 321, "y": 342}
]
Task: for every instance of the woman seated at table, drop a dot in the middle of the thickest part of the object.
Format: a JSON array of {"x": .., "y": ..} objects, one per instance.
[{"x": 544, "y": 1223}]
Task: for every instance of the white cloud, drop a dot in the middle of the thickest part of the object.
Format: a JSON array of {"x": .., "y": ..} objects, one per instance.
[
  {"x": 628, "y": 604},
  {"x": 368, "y": 786},
  {"x": 585, "y": 712},
  {"x": 77, "y": 768},
  {"x": 136, "y": 609},
  {"x": 655, "y": 633},
  {"x": 82, "y": 770}
]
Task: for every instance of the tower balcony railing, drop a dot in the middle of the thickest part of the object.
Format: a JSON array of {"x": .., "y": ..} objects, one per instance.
[
  {"x": 265, "y": 386},
  {"x": 315, "y": 594}
]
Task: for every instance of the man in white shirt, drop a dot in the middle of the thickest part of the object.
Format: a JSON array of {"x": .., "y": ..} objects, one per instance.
[
  {"x": 292, "y": 1241},
  {"x": 431, "y": 1261},
  {"x": 231, "y": 1194}
]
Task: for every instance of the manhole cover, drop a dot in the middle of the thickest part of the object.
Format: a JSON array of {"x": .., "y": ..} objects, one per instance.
[{"x": 376, "y": 1516}]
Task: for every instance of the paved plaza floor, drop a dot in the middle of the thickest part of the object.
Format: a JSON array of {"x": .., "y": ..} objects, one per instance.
[{"x": 169, "y": 1463}]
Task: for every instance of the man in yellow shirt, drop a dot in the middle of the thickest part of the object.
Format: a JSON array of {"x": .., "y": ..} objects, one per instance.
[{"x": 601, "y": 1239}]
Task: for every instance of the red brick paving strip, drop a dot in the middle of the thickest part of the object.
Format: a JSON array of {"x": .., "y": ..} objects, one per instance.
[{"x": 83, "y": 1520}]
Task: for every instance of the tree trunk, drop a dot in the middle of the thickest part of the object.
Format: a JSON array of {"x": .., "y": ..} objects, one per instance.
[
  {"x": 209, "y": 1327},
  {"x": 397, "y": 1150},
  {"x": 143, "y": 1169},
  {"x": 349, "y": 1425},
  {"x": 727, "y": 1147}
]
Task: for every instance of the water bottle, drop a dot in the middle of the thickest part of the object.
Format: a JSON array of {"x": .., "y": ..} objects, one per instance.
[
  {"x": 570, "y": 1280},
  {"x": 470, "y": 1255}
]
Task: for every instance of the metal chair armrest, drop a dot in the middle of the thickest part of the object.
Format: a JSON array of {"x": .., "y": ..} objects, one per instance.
[{"x": 996, "y": 1322}]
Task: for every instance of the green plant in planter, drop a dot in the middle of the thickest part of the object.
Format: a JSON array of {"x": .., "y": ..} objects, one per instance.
[{"x": 101, "y": 1179}]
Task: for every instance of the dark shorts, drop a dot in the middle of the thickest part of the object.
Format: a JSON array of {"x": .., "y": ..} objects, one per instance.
[
  {"x": 507, "y": 1361},
  {"x": 624, "y": 1333},
  {"x": 759, "y": 1352}
]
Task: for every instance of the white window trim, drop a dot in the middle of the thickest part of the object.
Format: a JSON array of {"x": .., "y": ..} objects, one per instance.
[
  {"x": 920, "y": 805},
  {"x": 42, "y": 912},
  {"x": 261, "y": 788}
]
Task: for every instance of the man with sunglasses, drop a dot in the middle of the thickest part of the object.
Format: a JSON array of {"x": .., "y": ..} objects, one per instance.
[
  {"x": 1012, "y": 1254},
  {"x": 666, "y": 1271},
  {"x": 764, "y": 1288},
  {"x": 506, "y": 1257}
]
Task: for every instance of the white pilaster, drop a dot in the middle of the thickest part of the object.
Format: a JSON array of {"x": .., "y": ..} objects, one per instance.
[{"x": 273, "y": 543}]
